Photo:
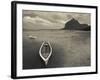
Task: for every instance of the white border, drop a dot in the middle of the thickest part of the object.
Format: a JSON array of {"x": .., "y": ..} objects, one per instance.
[{"x": 36, "y": 72}]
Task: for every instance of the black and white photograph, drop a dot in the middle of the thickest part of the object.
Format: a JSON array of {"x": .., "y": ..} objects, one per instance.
[
  {"x": 53, "y": 39},
  {"x": 56, "y": 39}
]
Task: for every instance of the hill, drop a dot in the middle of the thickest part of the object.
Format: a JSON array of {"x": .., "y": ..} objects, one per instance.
[{"x": 73, "y": 24}]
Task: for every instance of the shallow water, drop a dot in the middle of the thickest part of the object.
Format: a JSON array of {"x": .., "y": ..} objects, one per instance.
[{"x": 70, "y": 48}]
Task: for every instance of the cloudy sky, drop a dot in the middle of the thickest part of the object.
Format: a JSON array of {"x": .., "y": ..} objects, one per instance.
[{"x": 51, "y": 20}]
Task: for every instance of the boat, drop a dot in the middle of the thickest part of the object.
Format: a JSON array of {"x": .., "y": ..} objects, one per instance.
[
  {"x": 45, "y": 51},
  {"x": 32, "y": 37}
]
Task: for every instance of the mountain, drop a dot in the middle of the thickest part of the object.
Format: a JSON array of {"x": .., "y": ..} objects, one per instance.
[{"x": 73, "y": 24}]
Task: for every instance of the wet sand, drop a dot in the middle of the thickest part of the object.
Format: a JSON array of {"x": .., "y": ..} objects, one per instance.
[{"x": 70, "y": 48}]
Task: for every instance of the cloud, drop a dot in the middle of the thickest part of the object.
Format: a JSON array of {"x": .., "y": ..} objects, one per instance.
[
  {"x": 39, "y": 23},
  {"x": 52, "y": 17},
  {"x": 36, "y": 20},
  {"x": 54, "y": 20}
]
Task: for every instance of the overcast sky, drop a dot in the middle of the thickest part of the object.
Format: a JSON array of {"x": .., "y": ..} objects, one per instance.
[{"x": 51, "y": 20}]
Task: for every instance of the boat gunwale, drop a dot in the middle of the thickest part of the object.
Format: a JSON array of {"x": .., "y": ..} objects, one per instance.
[{"x": 45, "y": 59}]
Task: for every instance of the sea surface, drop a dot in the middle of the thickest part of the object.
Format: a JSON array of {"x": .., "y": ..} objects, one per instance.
[{"x": 71, "y": 48}]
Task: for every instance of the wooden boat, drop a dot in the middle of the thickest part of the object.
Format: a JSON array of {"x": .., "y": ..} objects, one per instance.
[{"x": 45, "y": 52}]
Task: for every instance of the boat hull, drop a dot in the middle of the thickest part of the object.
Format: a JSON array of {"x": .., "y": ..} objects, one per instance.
[{"x": 45, "y": 52}]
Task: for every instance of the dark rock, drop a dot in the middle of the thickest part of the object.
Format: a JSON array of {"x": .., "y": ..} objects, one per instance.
[{"x": 73, "y": 24}]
